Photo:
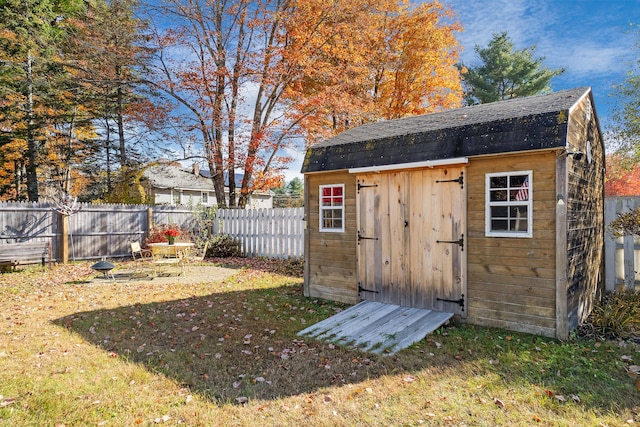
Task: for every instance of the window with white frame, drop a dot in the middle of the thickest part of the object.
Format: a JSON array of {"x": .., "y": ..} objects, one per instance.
[
  {"x": 176, "y": 197},
  {"x": 332, "y": 208},
  {"x": 204, "y": 198},
  {"x": 509, "y": 204}
]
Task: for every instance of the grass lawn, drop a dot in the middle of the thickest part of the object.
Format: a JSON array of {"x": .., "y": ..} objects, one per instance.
[{"x": 78, "y": 352}]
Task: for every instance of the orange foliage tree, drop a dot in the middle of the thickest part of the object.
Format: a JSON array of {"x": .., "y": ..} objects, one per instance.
[
  {"x": 379, "y": 60},
  {"x": 250, "y": 77},
  {"x": 621, "y": 177}
]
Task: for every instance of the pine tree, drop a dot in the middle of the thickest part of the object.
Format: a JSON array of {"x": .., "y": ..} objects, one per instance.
[{"x": 506, "y": 73}]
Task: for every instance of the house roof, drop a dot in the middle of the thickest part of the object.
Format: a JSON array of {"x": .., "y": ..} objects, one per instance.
[
  {"x": 520, "y": 124},
  {"x": 169, "y": 176}
]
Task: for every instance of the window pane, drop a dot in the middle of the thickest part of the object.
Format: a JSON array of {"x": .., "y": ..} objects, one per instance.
[
  {"x": 326, "y": 201},
  {"x": 499, "y": 211},
  {"x": 498, "y": 182},
  {"x": 337, "y": 191},
  {"x": 517, "y": 180},
  {"x": 326, "y": 191},
  {"x": 499, "y": 225},
  {"x": 498, "y": 196},
  {"x": 518, "y": 211}
]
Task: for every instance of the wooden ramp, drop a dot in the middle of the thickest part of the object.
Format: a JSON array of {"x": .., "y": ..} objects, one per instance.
[{"x": 377, "y": 327}]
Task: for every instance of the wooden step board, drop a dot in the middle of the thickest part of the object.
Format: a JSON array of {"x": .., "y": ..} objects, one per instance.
[{"x": 377, "y": 327}]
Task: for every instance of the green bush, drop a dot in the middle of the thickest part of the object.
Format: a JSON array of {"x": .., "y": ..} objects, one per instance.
[
  {"x": 618, "y": 315},
  {"x": 224, "y": 246}
]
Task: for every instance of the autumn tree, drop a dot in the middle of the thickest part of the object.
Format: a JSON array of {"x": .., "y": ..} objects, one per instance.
[
  {"x": 32, "y": 31},
  {"x": 108, "y": 58},
  {"x": 506, "y": 73},
  {"x": 622, "y": 177},
  {"x": 626, "y": 112},
  {"x": 375, "y": 61},
  {"x": 252, "y": 76}
]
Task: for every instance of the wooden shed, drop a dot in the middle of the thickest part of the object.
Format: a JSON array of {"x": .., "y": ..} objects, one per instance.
[{"x": 493, "y": 212}]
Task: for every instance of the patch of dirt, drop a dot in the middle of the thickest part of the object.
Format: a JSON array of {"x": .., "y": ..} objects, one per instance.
[{"x": 127, "y": 272}]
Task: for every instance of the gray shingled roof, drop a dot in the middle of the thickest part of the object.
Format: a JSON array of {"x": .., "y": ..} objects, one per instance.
[
  {"x": 518, "y": 124},
  {"x": 168, "y": 176}
]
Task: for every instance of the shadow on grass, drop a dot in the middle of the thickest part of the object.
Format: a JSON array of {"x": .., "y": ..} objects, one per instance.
[{"x": 236, "y": 344}]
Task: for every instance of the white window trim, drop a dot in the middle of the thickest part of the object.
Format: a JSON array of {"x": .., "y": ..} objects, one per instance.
[
  {"x": 176, "y": 194},
  {"x": 204, "y": 195},
  {"x": 488, "y": 204},
  {"x": 322, "y": 208}
]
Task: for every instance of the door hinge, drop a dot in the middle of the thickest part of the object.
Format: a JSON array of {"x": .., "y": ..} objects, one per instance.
[
  {"x": 459, "y": 242},
  {"x": 459, "y": 180},
  {"x": 361, "y": 237},
  {"x": 365, "y": 186},
  {"x": 456, "y": 301},
  {"x": 361, "y": 289}
]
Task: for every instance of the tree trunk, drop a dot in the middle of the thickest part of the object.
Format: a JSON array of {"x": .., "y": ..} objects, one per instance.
[
  {"x": 32, "y": 143},
  {"x": 119, "y": 102}
]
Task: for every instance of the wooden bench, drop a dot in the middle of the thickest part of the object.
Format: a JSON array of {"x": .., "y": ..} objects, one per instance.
[{"x": 23, "y": 253}]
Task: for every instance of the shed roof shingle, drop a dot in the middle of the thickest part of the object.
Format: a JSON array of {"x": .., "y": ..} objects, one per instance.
[{"x": 513, "y": 125}]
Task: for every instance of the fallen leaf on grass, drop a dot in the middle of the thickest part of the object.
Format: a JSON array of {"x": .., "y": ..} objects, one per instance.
[
  {"x": 242, "y": 400},
  {"x": 536, "y": 418},
  {"x": 162, "y": 419},
  {"x": 409, "y": 379},
  {"x": 626, "y": 358},
  {"x": 575, "y": 398},
  {"x": 499, "y": 402},
  {"x": 6, "y": 401},
  {"x": 560, "y": 398}
]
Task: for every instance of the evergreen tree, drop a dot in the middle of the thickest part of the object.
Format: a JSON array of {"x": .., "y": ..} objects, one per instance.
[{"x": 506, "y": 73}]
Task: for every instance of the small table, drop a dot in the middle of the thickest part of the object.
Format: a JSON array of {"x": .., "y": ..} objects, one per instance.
[
  {"x": 166, "y": 250},
  {"x": 165, "y": 254}
]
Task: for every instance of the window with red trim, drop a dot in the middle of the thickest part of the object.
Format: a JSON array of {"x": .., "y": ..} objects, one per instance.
[{"x": 332, "y": 208}]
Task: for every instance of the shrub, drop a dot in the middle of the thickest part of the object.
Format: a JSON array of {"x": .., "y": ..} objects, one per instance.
[
  {"x": 224, "y": 246},
  {"x": 618, "y": 315}
]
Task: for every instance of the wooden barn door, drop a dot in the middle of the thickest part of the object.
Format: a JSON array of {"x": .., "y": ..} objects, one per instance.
[{"x": 410, "y": 238}]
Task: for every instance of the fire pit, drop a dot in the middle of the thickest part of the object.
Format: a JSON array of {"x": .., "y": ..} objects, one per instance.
[{"x": 105, "y": 268}]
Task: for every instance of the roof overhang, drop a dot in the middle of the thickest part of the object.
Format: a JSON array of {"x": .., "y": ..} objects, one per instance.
[{"x": 412, "y": 165}]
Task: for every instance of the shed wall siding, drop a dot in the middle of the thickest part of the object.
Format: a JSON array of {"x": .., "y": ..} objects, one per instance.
[
  {"x": 331, "y": 259},
  {"x": 585, "y": 215},
  {"x": 511, "y": 281}
]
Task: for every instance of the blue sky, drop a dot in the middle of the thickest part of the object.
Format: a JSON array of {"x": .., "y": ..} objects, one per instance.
[{"x": 589, "y": 38}]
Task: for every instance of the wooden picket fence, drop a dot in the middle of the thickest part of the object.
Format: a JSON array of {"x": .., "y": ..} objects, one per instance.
[
  {"x": 622, "y": 254},
  {"x": 105, "y": 230},
  {"x": 273, "y": 233}
]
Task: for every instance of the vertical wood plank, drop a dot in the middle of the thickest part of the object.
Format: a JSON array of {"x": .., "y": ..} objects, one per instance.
[{"x": 562, "y": 325}]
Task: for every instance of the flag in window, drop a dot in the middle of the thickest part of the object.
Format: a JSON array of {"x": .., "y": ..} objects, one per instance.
[{"x": 523, "y": 193}]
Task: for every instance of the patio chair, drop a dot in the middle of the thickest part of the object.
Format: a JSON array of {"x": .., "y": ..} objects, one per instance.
[
  {"x": 141, "y": 258},
  {"x": 196, "y": 259},
  {"x": 137, "y": 253}
]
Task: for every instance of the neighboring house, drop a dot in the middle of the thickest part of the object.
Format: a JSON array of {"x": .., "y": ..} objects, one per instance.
[
  {"x": 494, "y": 212},
  {"x": 174, "y": 185}
]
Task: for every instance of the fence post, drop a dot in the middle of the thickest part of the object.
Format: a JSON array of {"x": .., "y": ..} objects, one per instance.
[
  {"x": 610, "y": 245},
  {"x": 149, "y": 220},
  {"x": 64, "y": 238}
]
